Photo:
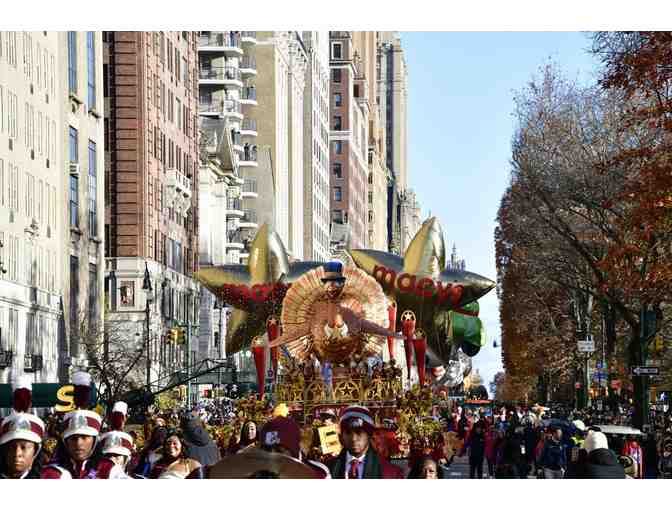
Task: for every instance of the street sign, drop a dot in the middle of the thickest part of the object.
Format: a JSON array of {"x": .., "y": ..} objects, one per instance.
[
  {"x": 588, "y": 346},
  {"x": 645, "y": 370}
]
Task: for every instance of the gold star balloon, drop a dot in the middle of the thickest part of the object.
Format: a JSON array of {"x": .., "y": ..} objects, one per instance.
[
  {"x": 421, "y": 283},
  {"x": 255, "y": 290}
]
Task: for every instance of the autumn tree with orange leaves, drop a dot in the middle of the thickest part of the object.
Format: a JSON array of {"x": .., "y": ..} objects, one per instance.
[{"x": 572, "y": 251}]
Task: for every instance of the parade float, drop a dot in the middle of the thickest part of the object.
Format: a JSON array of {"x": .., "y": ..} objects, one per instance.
[{"x": 355, "y": 331}]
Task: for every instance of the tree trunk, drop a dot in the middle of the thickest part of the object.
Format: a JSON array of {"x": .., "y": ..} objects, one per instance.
[{"x": 640, "y": 397}]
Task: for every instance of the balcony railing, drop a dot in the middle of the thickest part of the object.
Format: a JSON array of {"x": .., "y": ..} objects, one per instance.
[
  {"x": 236, "y": 237},
  {"x": 179, "y": 181},
  {"x": 219, "y": 105},
  {"x": 234, "y": 204},
  {"x": 249, "y": 93},
  {"x": 220, "y": 73},
  {"x": 249, "y": 216},
  {"x": 248, "y": 63},
  {"x": 6, "y": 359},
  {"x": 249, "y": 125},
  {"x": 250, "y": 186},
  {"x": 227, "y": 39},
  {"x": 249, "y": 153},
  {"x": 32, "y": 363}
]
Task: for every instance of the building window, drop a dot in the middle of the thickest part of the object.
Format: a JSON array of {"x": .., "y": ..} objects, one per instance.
[
  {"x": 91, "y": 69},
  {"x": 74, "y": 204},
  {"x": 72, "y": 62},
  {"x": 338, "y": 99},
  {"x": 93, "y": 297},
  {"x": 74, "y": 306},
  {"x": 337, "y": 122},
  {"x": 370, "y": 216},
  {"x": 338, "y": 147},
  {"x": 337, "y": 216},
  {"x": 338, "y": 195},
  {"x": 370, "y": 176},
  {"x": 370, "y": 197},
  {"x": 93, "y": 191},
  {"x": 336, "y": 50},
  {"x": 127, "y": 293},
  {"x": 74, "y": 151},
  {"x": 336, "y": 75},
  {"x": 338, "y": 171}
]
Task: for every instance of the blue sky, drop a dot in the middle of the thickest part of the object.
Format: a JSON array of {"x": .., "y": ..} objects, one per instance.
[{"x": 461, "y": 87}]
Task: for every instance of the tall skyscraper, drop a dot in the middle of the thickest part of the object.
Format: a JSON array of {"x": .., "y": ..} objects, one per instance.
[
  {"x": 151, "y": 199},
  {"x": 316, "y": 147},
  {"x": 229, "y": 182},
  {"x": 50, "y": 200},
  {"x": 366, "y": 47},
  {"x": 348, "y": 138},
  {"x": 403, "y": 209},
  {"x": 280, "y": 88}
]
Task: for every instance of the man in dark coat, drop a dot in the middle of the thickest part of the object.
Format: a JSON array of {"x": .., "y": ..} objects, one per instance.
[
  {"x": 199, "y": 445},
  {"x": 475, "y": 443},
  {"x": 600, "y": 462},
  {"x": 358, "y": 459}
]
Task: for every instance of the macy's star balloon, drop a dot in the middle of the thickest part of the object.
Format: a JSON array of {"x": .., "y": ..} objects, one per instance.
[
  {"x": 421, "y": 283},
  {"x": 255, "y": 290}
]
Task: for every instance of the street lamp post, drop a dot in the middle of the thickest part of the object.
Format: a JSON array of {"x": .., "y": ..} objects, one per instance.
[{"x": 147, "y": 287}]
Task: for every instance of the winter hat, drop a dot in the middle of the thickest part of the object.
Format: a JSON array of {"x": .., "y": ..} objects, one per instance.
[
  {"x": 82, "y": 392},
  {"x": 595, "y": 441},
  {"x": 117, "y": 443},
  {"x": 22, "y": 396},
  {"x": 355, "y": 417},
  {"x": 82, "y": 422},
  {"x": 118, "y": 416},
  {"x": 21, "y": 424},
  {"x": 283, "y": 432}
]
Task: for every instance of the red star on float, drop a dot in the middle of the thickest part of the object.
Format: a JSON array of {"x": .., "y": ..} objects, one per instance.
[
  {"x": 421, "y": 283},
  {"x": 254, "y": 290}
]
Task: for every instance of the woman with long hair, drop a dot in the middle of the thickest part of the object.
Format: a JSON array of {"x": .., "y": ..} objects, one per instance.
[
  {"x": 249, "y": 437},
  {"x": 173, "y": 462}
]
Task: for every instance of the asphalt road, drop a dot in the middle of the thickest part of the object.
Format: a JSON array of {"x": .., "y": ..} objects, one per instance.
[{"x": 458, "y": 469}]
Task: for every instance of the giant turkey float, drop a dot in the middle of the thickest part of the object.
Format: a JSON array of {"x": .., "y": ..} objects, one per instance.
[{"x": 361, "y": 329}]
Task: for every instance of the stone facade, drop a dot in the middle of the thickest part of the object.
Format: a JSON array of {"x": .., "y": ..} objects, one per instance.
[{"x": 316, "y": 148}]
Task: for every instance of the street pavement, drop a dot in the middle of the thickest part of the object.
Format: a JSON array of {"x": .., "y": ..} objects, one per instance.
[{"x": 459, "y": 468}]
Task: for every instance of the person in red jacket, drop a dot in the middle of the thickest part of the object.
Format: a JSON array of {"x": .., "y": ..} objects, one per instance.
[
  {"x": 631, "y": 448},
  {"x": 358, "y": 459}
]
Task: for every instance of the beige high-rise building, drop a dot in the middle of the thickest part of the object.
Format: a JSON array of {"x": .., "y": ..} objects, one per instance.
[
  {"x": 229, "y": 176},
  {"x": 51, "y": 200},
  {"x": 366, "y": 47},
  {"x": 280, "y": 92},
  {"x": 84, "y": 151},
  {"x": 316, "y": 147},
  {"x": 402, "y": 205},
  {"x": 393, "y": 90}
]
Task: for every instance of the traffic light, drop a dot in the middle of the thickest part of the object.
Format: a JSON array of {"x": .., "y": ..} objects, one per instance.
[
  {"x": 172, "y": 335},
  {"x": 207, "y": 393},
  {"x": 180, "y": 335}
]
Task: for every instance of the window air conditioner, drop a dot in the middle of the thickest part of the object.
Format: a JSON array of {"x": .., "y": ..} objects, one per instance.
[{"x": 74, "y": 168}]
